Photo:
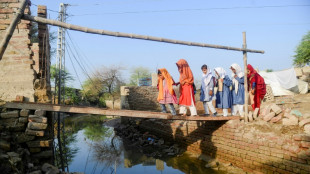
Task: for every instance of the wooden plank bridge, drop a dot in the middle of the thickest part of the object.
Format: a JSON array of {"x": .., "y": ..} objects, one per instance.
[{"x": 112, "y": 112}]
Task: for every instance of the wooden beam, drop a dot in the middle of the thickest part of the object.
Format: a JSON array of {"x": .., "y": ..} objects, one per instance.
[
  {"x": 132, "y": 36},
  {"x": 101, "y": 111},
  {"x": 246, "y": 93},
  {"x": 10, "y": 30}
]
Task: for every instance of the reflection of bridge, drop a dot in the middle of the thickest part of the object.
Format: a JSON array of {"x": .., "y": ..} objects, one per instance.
[{"x": 102, "y": 111}]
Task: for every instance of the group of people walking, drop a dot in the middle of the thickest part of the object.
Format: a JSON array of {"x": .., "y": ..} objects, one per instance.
[{"x": 229, "y": 94}]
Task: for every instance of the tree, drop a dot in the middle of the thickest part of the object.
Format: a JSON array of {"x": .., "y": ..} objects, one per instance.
[
  {"x": 104, "y": 84},
  {"x": 302, "y": 56},
  {"x": 137, "y": 73}
]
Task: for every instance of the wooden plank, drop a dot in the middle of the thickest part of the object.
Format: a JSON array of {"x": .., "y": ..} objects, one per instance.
[
  {"x": 102, "y": 111},
  {"x": 246, "y": 93},
  {"x": 131, "y": 36},
  {"x": 10, "y": 30}
]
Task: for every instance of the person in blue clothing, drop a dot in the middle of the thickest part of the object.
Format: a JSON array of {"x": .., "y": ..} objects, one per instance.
[
  {"x": 207, "y": 90},
  {"x": 223, "y": 95},
  {"x": 237, "y": 89}
]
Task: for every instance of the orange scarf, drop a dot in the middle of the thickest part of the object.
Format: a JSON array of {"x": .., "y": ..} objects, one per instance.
[
  {"x": 169, "y": 81},
  {"x": 186, "y": 76}
]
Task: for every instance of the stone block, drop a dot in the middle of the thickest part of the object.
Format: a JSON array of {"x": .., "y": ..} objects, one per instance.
[
  {"x": 269, "y": 116},
  {"x": 43, "y": 143},
  {"x": 37, "y": 126},
  {"x": 255, "y": 113},
  {"x": 9, "y": 121},
  {"x": 303, "y": 122},
  {"x": 37, "y": 119},
  {"x": 306, "y": 69},
  {"x": 24, "y": 113},
  {"x": 40, "y": 112},
  {"x": 48, "y": 168},
  {"x": 4, "y": 145},
  {"x": 22, "y": 138},
  {"x": 37, "y": 133},
  {"x": 276, "y": 109},
  {"x": 10, "y": 114},
  {"x": 34, "y": 149},
  {"x": 298, "y": 72},
  {"x": 14, "y": 157},
  {"x": 290, "y": 121},
  {"x": 265, "y": 110},
  {"x": 23, "y": 119},
  {"x": 17, "y": 127},
  {"x": 277, "y": 118},
  {"x": 36, "y": 172},
  {"x": 307, "y": 128},
  {"x": 44, "y": 154},
  {"x": 250, "y": 116}
]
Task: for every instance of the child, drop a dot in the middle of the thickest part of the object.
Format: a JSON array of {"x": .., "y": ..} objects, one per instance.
[
  {"x": 237, "y": 89},
  {"x": 207, "y": 90},
  {"x": 187, "y": 97},
  {"x": 166, "y": 94},
  {"x": 257, "y": 87},
  {"x": 223, "y": 95}
]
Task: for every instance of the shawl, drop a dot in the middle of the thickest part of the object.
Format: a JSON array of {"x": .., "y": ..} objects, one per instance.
[
  {"x": 239, "y": 73},
  {"x": 186, "y": 76},
  {"x": 169, "y": 81}
]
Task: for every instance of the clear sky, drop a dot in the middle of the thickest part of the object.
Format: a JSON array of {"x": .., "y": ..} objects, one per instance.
[{"x": 275, "y": 26}]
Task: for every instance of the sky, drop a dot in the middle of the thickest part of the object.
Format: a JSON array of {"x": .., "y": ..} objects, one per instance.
[{"x": 275, "y": 26}]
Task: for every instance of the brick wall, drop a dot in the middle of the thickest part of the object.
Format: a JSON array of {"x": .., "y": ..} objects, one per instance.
[
  {"x": 253, "y": 150},
  {"x": 145, "y": 98},
  {"x": 17, "y": 75}
]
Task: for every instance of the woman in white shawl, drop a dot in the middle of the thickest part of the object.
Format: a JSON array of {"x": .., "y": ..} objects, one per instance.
[
  {"x": 207, "y": 90},
  {"x": 237, "y": 89},
  {"x": 223, "y": 95}
]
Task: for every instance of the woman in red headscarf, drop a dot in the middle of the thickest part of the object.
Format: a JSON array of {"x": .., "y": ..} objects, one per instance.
[
  {"x": 187, "y": 96},
  {"x": 257, "y": 87}
]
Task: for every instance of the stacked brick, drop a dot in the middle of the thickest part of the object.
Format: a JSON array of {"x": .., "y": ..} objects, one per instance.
[
  {"x": 143, "y": 98},
  {"x": 26, "y": 129},
  {"x": 234, "y": 142}
]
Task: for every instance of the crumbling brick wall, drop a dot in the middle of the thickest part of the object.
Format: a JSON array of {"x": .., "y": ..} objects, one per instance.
[
  {"x": 17, "y": 74},
  {"x": 236, "y": 143}
]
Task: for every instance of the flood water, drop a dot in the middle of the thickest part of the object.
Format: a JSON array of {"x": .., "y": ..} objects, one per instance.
[{"x": 93, "y": 148}]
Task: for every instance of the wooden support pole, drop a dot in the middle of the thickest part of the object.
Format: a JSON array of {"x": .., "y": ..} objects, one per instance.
[
  {"x": 246, "y": 93},
  {"x": 10, "y": 30},
  {"x": 132, "y": 36}
]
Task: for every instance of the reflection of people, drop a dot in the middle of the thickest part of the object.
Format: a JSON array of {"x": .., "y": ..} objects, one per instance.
[
  {"x": 207, "y": 90},
  {"x": 187, "y": 97},
  {"x": 237, "y": 89},
  {"x": 166, "y": 94},
  {"x": 223, "y": 95},
  {"x": 160, "y": 165},
  {"x": 257, "y": 87}
]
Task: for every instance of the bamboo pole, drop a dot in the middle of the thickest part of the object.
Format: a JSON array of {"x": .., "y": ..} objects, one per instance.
[
  {"x": 10, "y": 30},
  {"x": 132, "y": 36},
  {"x": 246, "y": 98}
]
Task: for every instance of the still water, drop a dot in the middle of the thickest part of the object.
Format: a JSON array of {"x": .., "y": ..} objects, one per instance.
[{"x": 93, "y": 148}]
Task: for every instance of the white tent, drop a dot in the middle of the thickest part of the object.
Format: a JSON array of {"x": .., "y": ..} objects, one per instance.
[{"x": 284, "y": 82}]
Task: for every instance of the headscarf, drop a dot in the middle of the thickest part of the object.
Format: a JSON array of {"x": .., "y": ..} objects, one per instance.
[
  {"x": 239, "y": 73},
  {"x": 186, "y": 75},
  {"x": 169, "y": 81},
  {"x": 221, "y": 72},
  {"x": 252, "y": 71},
  {"x": 208, "y": 76}
]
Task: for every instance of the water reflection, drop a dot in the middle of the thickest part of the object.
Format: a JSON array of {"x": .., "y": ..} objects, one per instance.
[{"x": 98, "y": 150}]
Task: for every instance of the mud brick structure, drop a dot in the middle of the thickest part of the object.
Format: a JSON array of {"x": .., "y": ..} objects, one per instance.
[{"x": 24, "y": 68}]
